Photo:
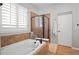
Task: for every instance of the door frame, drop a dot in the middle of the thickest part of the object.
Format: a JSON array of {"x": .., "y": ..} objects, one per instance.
[{"x": 64, "y": 13}]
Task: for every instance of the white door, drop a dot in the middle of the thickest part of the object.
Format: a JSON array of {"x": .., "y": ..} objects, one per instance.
[{"x": 65, "y": 29}]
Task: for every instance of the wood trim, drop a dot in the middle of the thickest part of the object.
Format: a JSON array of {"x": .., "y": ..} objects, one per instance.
[
  {"x": 48, "y": 16},
  {"x": 49, "y": 29},
  {"x": 31, "y": 24},
  {"x": 43, "y": 26},
  {"x": 39, "y": 15}
]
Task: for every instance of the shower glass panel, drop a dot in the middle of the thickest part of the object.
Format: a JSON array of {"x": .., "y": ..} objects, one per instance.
[
  {"x": 39, "y": 26},
  {"x": 39, "y": 21}
]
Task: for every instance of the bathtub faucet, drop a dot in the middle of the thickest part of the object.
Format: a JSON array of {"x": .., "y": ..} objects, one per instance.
[{"x": 40, "y": 41}]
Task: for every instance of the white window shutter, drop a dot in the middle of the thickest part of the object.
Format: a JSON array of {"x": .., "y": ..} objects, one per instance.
[
  {"x": 8, "y": 16},
  {"x": 13, "y": 18},
  {"x": 22, "y": 15}
]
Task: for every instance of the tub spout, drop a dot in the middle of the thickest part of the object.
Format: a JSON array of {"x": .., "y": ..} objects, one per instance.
[{"x": 40, "y": 41}]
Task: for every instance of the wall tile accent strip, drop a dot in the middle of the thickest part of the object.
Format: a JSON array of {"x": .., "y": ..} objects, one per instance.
[{"x": 7, "y": 40}]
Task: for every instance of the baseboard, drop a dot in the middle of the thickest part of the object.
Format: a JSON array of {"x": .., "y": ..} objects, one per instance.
[
  {"x": 54, "y": 44},
  {"x": 75, "y": 48},
  {"x": 64, "y": 46}
]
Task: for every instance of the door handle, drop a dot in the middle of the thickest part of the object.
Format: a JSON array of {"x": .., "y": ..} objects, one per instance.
[{"x": 58, "y": 30}]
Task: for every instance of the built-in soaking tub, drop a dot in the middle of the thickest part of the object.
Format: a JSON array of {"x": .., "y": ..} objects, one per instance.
[{"x": 26, "y": 47}]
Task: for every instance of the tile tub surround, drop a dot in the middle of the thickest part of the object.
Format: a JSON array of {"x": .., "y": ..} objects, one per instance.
[{"x": 10, "y": 39}]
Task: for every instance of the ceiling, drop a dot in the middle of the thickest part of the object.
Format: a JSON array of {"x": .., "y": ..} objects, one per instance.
[
  {"x": 42, "y": 5},
  {"x": 39, "y": 5},
  {"x": 47, "y": 5}
]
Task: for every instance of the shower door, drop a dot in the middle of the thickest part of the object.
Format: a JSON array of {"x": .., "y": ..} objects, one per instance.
[{"x": 37, "y": 26}]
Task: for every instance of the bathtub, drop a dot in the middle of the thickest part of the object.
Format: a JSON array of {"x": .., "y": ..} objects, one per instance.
[{"x": 26, "y": 47}]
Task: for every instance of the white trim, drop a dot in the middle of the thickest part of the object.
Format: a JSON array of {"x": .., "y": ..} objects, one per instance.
[{"x": 75, "y": 48}]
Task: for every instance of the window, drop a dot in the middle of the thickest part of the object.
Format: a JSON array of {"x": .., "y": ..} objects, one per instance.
[
  {"x": 14, "y": 18},
  {"x": 8, "y": 16},
  {"x": 22, "y": 17}
]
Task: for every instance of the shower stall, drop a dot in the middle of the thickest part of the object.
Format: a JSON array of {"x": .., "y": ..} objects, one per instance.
[{"x": 40, "y": 26}]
